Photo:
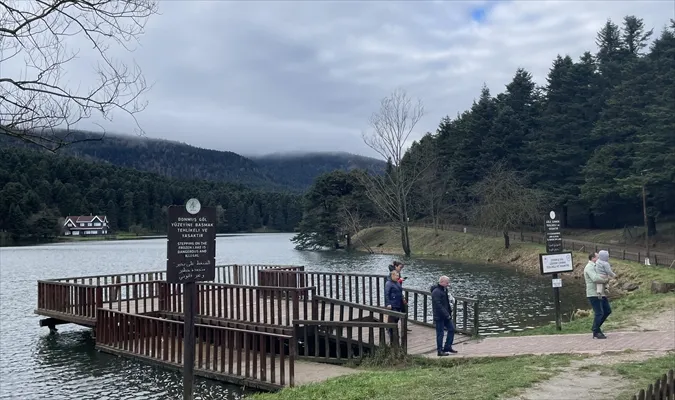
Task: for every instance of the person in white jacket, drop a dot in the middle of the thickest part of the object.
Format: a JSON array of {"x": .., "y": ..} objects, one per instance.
[{"x": 603, "y": 268}]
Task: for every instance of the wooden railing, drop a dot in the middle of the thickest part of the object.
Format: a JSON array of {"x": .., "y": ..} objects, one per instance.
[
  {"x": 232, "y": 274},
  {"x": 662, "y": 389},
  {"x": 368, "y": 289},
  {"x": 260, "y": 304},
  {"x": 464, "y": 310},
  {"x": 334, "y": 310},
  {"x": 137, "y": 297},
  {"x": 254, "y": 358},
  {"x": 77, "y": 300},
  {"x": 341, "y": 341},
  {"x": 245, "y": 325}
]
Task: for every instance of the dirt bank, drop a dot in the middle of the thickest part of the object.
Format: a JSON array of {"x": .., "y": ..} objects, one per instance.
[{"x": 474, "y": 248}]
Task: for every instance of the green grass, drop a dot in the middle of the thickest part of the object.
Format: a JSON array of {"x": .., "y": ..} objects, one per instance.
[
  {"x": 640, "y": 374},
  {"x": 525, "y": 257},
  {"x": 423, "y": 378},
  {"x": 624, "y": 310}
]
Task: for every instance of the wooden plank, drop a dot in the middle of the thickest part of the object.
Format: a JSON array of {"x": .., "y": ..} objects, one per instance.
[
  {"x": 421, "y": 338},
  {"x": 229, "y": 366}
]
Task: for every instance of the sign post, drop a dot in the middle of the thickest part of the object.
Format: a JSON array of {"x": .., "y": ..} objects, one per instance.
[
  {"x": 555, "y": 261},
  {"x": 191, "y": 258}
]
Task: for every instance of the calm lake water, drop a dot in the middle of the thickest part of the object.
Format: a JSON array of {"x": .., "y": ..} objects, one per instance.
[{"x": 35, "y": 365}]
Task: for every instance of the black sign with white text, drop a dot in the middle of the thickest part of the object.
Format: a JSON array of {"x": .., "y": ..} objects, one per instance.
[
  {"x": 554, "y": 243},
  {"x": 191, "y": 247}
]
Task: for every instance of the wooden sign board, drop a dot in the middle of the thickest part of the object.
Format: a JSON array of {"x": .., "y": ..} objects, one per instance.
[{"x": 191, "y": 249}]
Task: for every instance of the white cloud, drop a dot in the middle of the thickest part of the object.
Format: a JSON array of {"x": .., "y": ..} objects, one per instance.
[{"x": 258, "y": 77}]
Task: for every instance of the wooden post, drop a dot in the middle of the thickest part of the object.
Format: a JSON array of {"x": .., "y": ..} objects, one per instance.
[
  {"x": 189, "y": 294},
  {"x": 475, "y": 319}
]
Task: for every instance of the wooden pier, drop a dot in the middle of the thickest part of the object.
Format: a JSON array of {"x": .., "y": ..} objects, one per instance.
[{"x": 259, "y": 326}]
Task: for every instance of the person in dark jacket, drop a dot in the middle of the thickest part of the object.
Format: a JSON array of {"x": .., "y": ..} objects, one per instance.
[
  {"x": 442, "y": 317},
  {"x": 398, "y": 266},
  {"x": 393, "y": 296}
]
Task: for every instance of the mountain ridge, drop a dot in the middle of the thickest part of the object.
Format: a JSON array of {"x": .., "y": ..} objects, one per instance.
[{"x": 282, "y": 172}]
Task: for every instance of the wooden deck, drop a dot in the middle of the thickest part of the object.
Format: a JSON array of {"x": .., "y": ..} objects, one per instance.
[
  {"x": 227, "y": 364},
  {"x": 259, "y": 326},
  {"x": 421, "y": 338}
]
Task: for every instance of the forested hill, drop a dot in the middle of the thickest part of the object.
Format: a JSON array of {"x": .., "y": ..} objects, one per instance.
[
  {"x": 598, "y": 135},
  {"x": 300, "y": 170},
  {"x": 37, "y": 189},
  {"x": 594, "y": 144},
  {"x": 182, "y": 161}
]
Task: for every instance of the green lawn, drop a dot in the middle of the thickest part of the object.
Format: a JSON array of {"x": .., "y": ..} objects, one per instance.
[
  {"x": 624, "y": 310},
  {"x": 433, "y": 379}
]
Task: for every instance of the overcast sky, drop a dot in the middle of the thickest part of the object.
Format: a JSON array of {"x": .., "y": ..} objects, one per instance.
[{"x": 257, "y": 77}]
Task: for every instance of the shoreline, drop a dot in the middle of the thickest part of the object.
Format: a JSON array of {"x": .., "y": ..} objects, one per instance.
[
  {"x": 120, "y": 237},
  {"x": 635, "y": 306}
]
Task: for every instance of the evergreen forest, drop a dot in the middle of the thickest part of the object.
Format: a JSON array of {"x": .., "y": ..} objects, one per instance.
[
  {"x": 595, "y": 143},
  {"x": 39, "y": 190}
]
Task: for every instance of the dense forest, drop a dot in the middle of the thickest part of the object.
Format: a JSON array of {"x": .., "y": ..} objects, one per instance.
[
  {"x": 589, "y": 144},
  {"x": 282, "y": 173},
  {"x": 39, "y": 189}
]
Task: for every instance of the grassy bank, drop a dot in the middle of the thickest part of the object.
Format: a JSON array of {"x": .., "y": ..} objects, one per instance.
[
  {"x": 628, "y": 307},
  {"x": 423, "y": 378}
]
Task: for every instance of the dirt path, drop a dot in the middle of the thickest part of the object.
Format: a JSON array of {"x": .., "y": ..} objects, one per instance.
[
  {"x": 573, "y": 383},
  {"x": 661, "y": 321}
]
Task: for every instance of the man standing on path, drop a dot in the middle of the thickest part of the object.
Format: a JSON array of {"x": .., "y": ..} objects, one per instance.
[
  {"x": 442, "y": 316},
  {"x": 599, "y": 302}
]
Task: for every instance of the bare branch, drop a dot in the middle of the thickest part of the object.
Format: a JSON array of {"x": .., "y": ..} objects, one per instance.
[
  {"x": 505, "y": 202},
  {"x": 392, "y": 126},
  {"x": 39, "y": 106}
]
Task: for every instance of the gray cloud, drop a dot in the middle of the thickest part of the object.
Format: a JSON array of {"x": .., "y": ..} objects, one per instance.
[{"x": 257, "y": 77}]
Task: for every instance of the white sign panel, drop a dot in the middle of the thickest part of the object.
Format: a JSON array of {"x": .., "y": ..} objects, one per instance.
[
  {"x": 556, "y": 282},
  {"x": 556, "y": 263}
]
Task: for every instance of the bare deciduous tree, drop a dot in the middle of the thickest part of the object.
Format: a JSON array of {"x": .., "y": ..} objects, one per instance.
[
  {"x": 505, "y": 202},
  {"x": 392, "y": 126},
  {"x": 38, "y": 105}
]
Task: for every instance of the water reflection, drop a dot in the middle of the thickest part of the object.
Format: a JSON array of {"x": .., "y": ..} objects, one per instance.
[{"x": 510, "y": 300}]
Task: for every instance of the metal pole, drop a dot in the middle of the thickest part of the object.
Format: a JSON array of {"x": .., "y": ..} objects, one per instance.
[
  {"x": 644, "y": 212},
  {"x": 556, "y": 299},
  {"x": 189, "y": 294}
]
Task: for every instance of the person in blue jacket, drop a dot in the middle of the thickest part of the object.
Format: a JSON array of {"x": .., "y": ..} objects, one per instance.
[
  {"x": 442, "y": 317},
  {"x": 393, "y": 296}
]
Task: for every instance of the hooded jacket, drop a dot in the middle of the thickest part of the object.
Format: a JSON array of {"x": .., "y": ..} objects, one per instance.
[{"x": 602, "y": 265}]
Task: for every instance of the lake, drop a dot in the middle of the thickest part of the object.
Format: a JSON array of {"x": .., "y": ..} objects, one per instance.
[{"x": 35, "y": 365}]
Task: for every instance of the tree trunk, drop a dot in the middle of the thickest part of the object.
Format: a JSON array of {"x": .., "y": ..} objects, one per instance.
[
  {"x": 436, "y": 226},
  {"x": 405, "y": 237},
  {"x": 405, "y": 242},
  {"x": 507, "y": 240},
  {"x": 349, "y": 241}
]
